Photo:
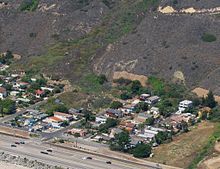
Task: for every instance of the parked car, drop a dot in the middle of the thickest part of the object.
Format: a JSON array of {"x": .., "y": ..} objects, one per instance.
[
  {"x": 43, "y": 152},
  {"x": 108, "y": 162},
  {"x": 49, "y": 150},
  {"x": 13, "y": 145},
  {"x": 22, "y": 142},
  {"x": 17, "y": 142},
  {"x": 87, "y": 158}
]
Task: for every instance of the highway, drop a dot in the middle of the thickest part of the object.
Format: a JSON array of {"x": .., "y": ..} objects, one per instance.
[{"x": 65, "y": 158}]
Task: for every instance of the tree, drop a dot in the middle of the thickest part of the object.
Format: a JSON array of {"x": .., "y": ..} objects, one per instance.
[
  {"x": 142, "y": 151},
  {"x": 149, "y": 121},
  {"x": 135, "y": 86},
  {"x": 142, "y": 106},
  {"x": 209, "y": 100},
  {"x": 125, "y": 96},
  {"x": 88, "y": 115},
  {"x": 102, "y": 79},
  {"x": 162, "y": 136},
  {"x": 108, "y": 124},
  {"x": 121, "y": 140},
  {"x": 8, "y": 106},
  {"x": 116, "y": 105}
]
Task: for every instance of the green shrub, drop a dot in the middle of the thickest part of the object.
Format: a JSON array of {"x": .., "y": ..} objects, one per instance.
[
  {"x": 29, "y": 5},
  {"x": 206, "y": 37}
]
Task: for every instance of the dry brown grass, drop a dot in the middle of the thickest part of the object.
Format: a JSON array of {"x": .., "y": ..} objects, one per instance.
[
  {"x": 130, "y": 76},
  {"x": 181, "y": 151},
  {"x": 200, "y": 92}
]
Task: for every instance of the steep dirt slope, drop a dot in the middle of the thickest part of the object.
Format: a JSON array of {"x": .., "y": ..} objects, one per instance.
[{"x": 163, "y": 44}]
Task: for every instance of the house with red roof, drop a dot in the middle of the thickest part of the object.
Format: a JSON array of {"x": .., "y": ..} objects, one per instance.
[{"x": 39, "y": 93}]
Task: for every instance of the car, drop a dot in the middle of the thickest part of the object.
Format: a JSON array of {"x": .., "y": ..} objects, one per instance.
[
  {"x": 13, "y": 145},
  {"x": 17, "y": 142},
  {"x": 87, "y": 158},
  {"x": 43, "y": 152},
  {"x": 22, "y": 142},
  {"x": 49, "y": 150},
  {"x": 108, "y": 162}
]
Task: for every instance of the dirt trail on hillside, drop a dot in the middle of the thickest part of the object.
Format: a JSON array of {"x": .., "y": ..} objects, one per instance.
[{"x": 190, "y": 10}]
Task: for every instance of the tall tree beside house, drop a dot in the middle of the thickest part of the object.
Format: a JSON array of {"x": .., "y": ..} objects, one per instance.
[
  {"x": 142, "y": 151},
  {"x": 121, "y": 140},
  {"x": 135, "y": 86},
  {"x": 209, "y": 100}
]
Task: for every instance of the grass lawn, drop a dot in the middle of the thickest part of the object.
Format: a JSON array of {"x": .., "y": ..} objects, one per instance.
[{"x": 184, "y": 148}]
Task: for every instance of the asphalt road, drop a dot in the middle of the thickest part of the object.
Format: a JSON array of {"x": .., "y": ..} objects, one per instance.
[{"x": 64, "y": 157}]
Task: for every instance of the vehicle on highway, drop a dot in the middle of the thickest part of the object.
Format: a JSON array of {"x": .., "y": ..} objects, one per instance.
[
  {"x": 87, "y": 158},
  {"x": 49, "y": 150},
  {"x": 43, "y": 152},
  {"x": 108, "y": 162},
  {"x": 13, "y": 145},
  {"x": 17, "y": 142},
  {"x": 22, "y": 142}
]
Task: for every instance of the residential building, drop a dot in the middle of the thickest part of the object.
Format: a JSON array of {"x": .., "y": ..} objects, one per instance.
[
  {"x": 152, "y": 100},
  {"x": 183, "y": 105},
  {"x": 3, "y": 93},
  {"x": 100, "y": 119},
  {"x": 81, "y": 132},
  {"x": 144, "y": 97},
  {"x": 114, "y": 113},
  {"x": 63, "y": 116},
  {"x": 39, "y": 93},
  {"x": 142, "y": 117}
]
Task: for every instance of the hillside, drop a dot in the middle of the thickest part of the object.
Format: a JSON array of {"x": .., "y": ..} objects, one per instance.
[{"x": 70, "y": 38}]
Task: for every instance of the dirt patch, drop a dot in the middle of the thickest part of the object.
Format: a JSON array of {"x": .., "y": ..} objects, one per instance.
[
  {"x": 181, "y": 151},
  {"x": 200, "y": 92},
  {"x": 166, "y": 10},
  {"x": 143, "y": 79},
  {"x": 14, "y": 132}
]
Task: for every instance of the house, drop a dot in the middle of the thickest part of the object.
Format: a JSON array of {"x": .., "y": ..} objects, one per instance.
[
  {"x": 127, "y": 110},
  {"x": 47, "y": 88},
  {"x": 81, "y": 132},
  {"x": 204, "y": 110},
  {"x": 128, "y": 126},
  {"x": 3, "y": 93},
  {"x": 183, "y": 105},
  {"x": 144, "y": 97},
  {"x": 114, "y": 113},
  {"x": 23, "y": 100},
  {"x": 152, "y": 100},
  {"x": 100, "y": 119},
  {"x": 63, "y": 116},
  {"x": 39, "y": 93},
  {"x": 115, "y": 131},
  {"x": 14, "y": 93},
  {"x": 54, "y": 121},
  {"x": 142, "y": 117}
]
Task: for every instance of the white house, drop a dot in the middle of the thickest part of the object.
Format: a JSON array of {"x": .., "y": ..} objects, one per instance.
[
  {"x": 183, "y": 105},
  {"x": 100, "y": 119}
]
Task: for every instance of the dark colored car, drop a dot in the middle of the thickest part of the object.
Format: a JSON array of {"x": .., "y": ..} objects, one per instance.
[
  {"x": 43, "y": 152},
  {"x": 49, "y": 150},
  {"x": 17, "y": 142},
  {"x": 13, "y": 145},
  {"x": 22, "y": 142},
  {"x": 108, "y": 162}
]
